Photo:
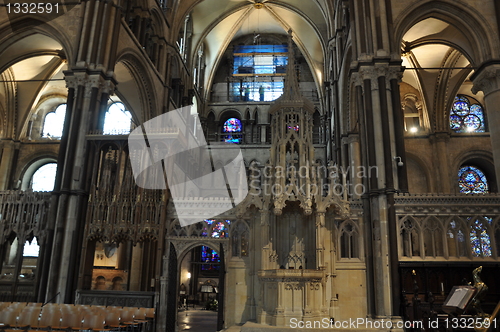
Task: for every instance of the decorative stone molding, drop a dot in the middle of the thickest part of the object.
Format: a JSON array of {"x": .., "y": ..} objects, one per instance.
[
  {"x": 116, "y": 298},
  {"x": 424, "y": 204},
  {"x": 24, "y": 213},
  {"x": 292, "y": 275},
  {"x": 183, "y": 244}
]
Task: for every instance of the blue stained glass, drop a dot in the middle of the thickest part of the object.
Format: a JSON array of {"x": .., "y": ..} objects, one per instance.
[
  {"x": 455, "y": 122},
  {"x": 472, "y": 122},
  {"x": 219, "y": 230},
  {"x": 474, "y": 241},
  {"x": 471, "y": 180},
  {"x": 261, "y": 49},
  {"x": 461, "y": 108},
  {"x": 209, "y": 256},
  {"x": 206, "y": 227},
  {"x": 480, "y": 240},
  {"x": 476, "y": 110},
  {"x": 465, "y": 117},
  {"x": 232, "y": 139},
  {"x": 232, "y": 125}
]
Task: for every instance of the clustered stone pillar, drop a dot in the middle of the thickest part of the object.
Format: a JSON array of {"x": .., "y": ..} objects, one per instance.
[
  {"x": 487, "y": 79},
  {"x": 378, "y": 137}
]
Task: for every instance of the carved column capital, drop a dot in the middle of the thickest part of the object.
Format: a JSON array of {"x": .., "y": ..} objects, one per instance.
[
  {"x": 351, "y": 138},
  {"x": 374, "y": 72},
  {"x": 108, "y": 86},
  {"x": 74, "y": 80},
  {"x": 357, "y": 79},
  {"x": 487, "y": 80}
]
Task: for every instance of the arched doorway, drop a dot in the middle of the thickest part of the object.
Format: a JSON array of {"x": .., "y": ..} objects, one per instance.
[{"x": 199, "y": 287}]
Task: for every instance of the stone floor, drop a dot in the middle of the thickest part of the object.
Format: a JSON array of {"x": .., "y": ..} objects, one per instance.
[{"x": 197, "y": 320}]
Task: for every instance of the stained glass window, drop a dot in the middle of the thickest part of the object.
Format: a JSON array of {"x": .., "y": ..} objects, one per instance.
[
  {"x": 117, "y": 120},
  {"x": 467, "y": 115},
  {"x": 216, "y": 229},
  {"x": 232, "y": 125},
  {"x": 480, "y": 240},
  {"x": 209, "y": 256},
  {"x": 44, "y": 177},
  {"x": 54, "y": 122},
  {"x": 471, "y": 180},
  {"x": 220, "y": 230},
  {"x": 207, "y": 226}
]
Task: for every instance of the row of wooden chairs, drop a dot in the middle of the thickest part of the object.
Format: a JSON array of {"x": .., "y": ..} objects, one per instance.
[{"x": 66, "y": 317}]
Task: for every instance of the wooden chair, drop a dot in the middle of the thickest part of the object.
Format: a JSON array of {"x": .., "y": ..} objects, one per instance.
[
  {"x": 113, "y": 320},
  {"x": 127, "y": 317},
  {"x": 98, "y": 323},
  {"x": 48, "y": 319},
  {"x": 8, "y": 317},
  {"x": 70, "y": 320},
  {"x": 28, "y": 317}
]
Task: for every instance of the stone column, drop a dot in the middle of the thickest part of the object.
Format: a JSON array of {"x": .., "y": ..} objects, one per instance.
[
  {"x": 135, "y": 272},
  {"x": 320, "y": 248},
  {"x": 487, "y": 79},
  {"x": 378, "y": 144},
  {"x": 69, "y": 207},
  {"x": 355, "y": 187},
  {"x": 5, "y": 164},
  {"x": 441, "y": 159}
]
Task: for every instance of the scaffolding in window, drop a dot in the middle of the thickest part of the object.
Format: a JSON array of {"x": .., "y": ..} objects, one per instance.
[{"x": 258, "y": 72}]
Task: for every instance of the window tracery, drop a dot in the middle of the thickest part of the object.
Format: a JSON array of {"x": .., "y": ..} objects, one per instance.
[
  {"x": 465, "y": 237},
  {"x": 467, "y": 115},
  {"x": 433, "y": 243},
  {"x": 411, "y": 238},
  {"x": 456, "y": 240},
  {"x": 479, "y": 238},
  {"x": 349, "y": 246},
  {"x": 240, "y": 237}
]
